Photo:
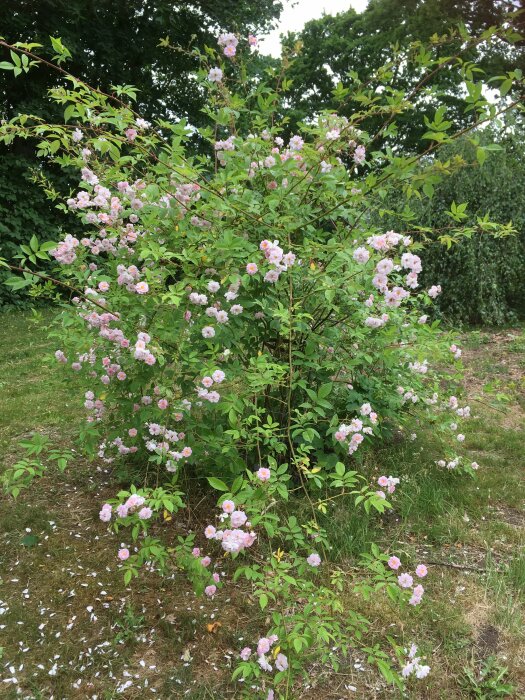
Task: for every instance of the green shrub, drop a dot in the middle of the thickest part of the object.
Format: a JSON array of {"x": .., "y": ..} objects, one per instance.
[
  {"x": 239, "y": 323},
  {"x": 481, "y": 276}
]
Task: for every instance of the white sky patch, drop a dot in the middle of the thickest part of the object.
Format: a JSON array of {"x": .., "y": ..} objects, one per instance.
[{"x": 297, "y": 12}]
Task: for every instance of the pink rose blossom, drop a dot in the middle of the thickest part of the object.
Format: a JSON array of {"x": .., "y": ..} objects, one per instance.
[
  {"x": 394, "y": 563},
  {"x": 314, "y": 559},
  {"x": 263, "y": 474},
  {"x": 405, "y": 580},
  {"x": 228, "y": 507}
]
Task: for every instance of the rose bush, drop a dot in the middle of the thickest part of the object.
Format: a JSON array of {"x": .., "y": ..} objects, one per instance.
[{"x": 238, "y": 320}]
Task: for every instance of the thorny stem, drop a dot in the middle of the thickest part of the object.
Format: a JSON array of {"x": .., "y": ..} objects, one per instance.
[{"x": 62, "y": 284}]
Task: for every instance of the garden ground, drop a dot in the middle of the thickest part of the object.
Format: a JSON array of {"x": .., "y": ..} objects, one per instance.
[{"x": 69, "y": 628}]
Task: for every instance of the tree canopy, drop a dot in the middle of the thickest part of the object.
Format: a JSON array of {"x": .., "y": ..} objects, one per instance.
[
  {"x": 350, "y": 45},
  {"x": 117, "y": 44}
]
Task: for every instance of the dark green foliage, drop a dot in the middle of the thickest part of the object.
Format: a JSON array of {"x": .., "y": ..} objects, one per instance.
[
  {"x": 116, "y": 43},
  {"x": 24, "y": 210},
  {"x": 481, "y": 277}
]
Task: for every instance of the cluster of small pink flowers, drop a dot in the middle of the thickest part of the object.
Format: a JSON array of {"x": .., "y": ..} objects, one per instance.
[
  {"x": 413, "y": 665},
  {"x": 134, "y": 504},
  {"x": 141, "y": 351},
  {"x": 405, "y": 580},
  {"x": 419, "y": 367},
  {"x": 229, "y": 43},
  {"x": 455, "y": 351},
  {"x": 296, "y": 143},
  {"x": 388, "y": 482},
  {"x": 393, "y": 295},
  {"x": 203, "y": 392},
  {"x": 128, "y": 276},
  {"x": 118, "y": 442},
  {"x": 359, "y": 155},
  {"x": 375, "y": 321},
  {"x": 225, "y": 145},
  {"x": 434, "y": 291},
  {"x": 412, "y": 263},
  {"x": 264, "y": 646},
  {"x": 142, "y": 124},
  {"x": 449, "y": 464},
  {"x": 279, "y": 260},
  {"x": 386, "y": 241},
  {"x": 95, "y": 405},
  {"x": 407, "y": 394},
  {"x": 220, "y": 315},
  {"x": 198, "y": 299},
  {"x": 164, "y": 448},
  {"x": 357, "y": 429},
  {"x": 232, "y": 539},
  {"x": 65, "y": 251}
]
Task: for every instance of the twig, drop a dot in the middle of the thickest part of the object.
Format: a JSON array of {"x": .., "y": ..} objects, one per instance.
[{"x": 464, "y": 567}]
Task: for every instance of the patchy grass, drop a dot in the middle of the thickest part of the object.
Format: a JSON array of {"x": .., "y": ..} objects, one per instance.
[{"x": 69, "y": 628}]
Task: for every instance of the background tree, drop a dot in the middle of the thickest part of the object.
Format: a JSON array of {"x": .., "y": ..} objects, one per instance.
[{"x": 332, "y": 47}]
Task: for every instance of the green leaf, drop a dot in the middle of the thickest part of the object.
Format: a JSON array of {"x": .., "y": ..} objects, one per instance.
[
  {"x": 217, "y": 484},
  {"x": 481, "y": 155},
  {"x": 29, "y": 540},
  {"x": 505, "y": 87},
  {"x": 428, "y": 189},
  {"x": 386, "y": 671},
  {"x": 324, "y": 390}
]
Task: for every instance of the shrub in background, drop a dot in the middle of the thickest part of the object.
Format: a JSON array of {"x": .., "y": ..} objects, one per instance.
[{"x": 480, "y": 276}]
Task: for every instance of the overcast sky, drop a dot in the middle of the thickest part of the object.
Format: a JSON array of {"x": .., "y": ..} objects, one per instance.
[{"x": 297, "y": 12}]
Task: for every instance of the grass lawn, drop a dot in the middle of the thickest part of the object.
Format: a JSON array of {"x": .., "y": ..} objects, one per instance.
[{"x": 69, "y": 628}]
